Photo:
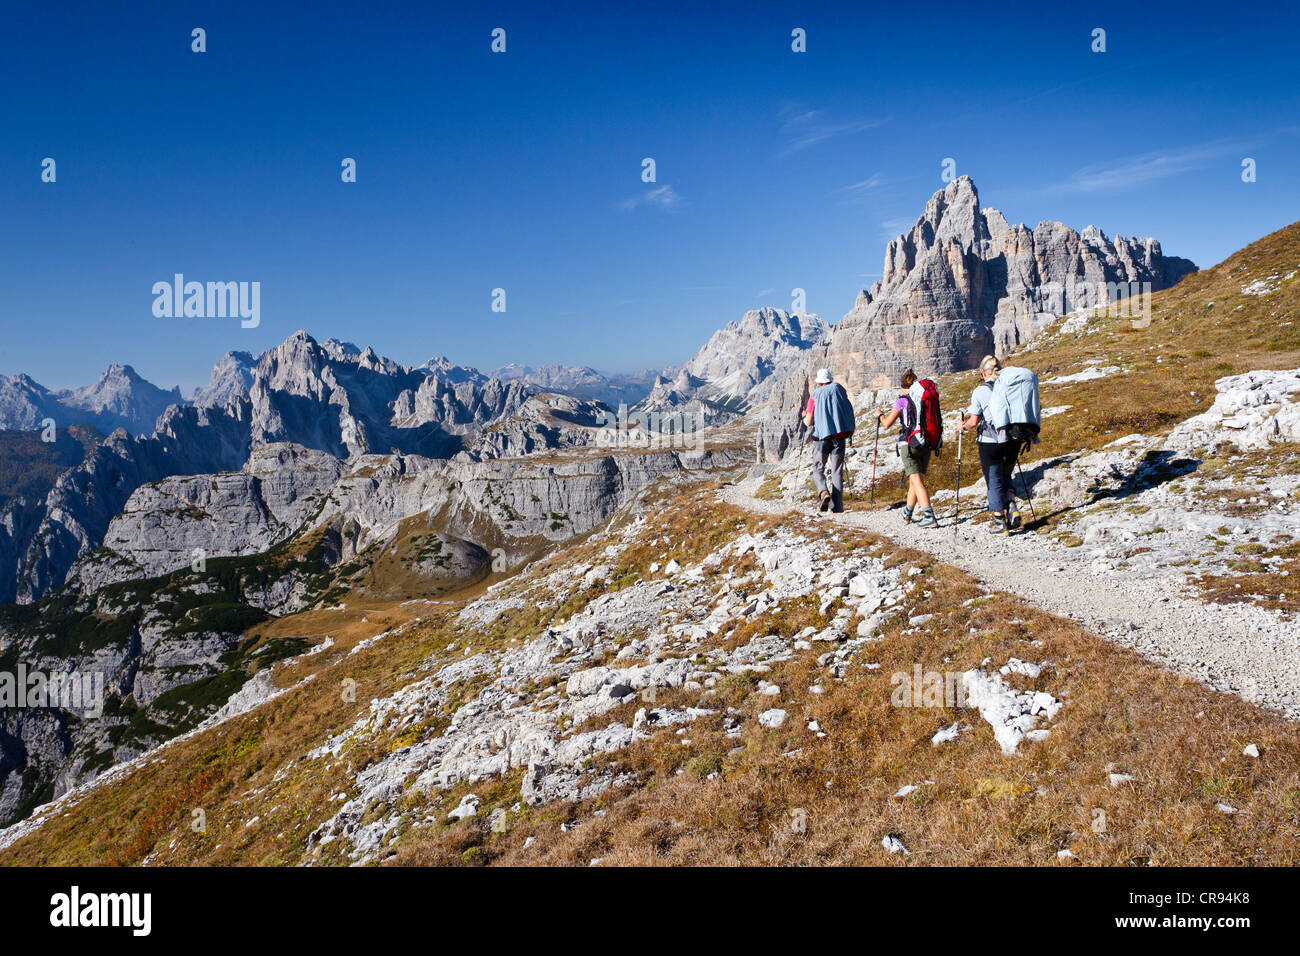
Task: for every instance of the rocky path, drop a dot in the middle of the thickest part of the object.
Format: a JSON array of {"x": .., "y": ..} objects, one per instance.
[{"x": 1240, "y": 649}]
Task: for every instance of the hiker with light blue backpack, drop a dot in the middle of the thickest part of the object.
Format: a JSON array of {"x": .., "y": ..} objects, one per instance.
[
  {"x": 830, "y": 415},
  {"x": 997, "y": 454},
  {"x": 1007, "y": 410}
]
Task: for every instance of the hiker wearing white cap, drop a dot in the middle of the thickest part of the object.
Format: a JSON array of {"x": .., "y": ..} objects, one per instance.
[{"x": 830, "y": 415}]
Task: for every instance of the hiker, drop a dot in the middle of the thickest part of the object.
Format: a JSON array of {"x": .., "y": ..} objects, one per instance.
[
  {"x": 913, "y": 446},
  {"x": 1014, "y": 406},
  {"x": 830, "y": 415},
  {"x": 997, "y": 454}
]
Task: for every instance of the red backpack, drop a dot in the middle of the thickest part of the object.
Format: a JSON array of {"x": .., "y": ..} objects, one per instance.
[{"x": 927, "y": 421}]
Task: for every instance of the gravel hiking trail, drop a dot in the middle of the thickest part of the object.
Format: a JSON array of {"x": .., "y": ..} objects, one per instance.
[{"x": 1240, "y": 649}]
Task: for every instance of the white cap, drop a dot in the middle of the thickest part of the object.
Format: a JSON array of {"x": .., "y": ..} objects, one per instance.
[{"x": 824, "y": 376}]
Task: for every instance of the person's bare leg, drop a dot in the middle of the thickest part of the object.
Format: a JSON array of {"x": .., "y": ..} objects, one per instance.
[
  {"x": 917, "y": 492},
  {"x": 911, "y": 493}
]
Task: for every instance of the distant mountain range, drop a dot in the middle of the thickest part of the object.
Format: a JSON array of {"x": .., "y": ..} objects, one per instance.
[
  {"x": 582, "y": 382},
  {"x": 119, "y": 399},
  {"x": 728, "y": 370}
]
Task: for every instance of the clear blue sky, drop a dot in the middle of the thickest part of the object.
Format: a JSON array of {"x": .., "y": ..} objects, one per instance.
[{"x": 522, "y": 170}]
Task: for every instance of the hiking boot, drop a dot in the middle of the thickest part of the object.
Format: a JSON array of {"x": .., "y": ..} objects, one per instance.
[
  {"x": 1013, "y": 517},
  {"x": 825, "y": 503},
  {"x": 928, "y": 520},
  {"x": 907, "y": 515},
  {"x": 997, "y": 525}
]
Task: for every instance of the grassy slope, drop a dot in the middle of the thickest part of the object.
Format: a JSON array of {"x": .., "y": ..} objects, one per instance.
[{"x": 1182, "y": 742}]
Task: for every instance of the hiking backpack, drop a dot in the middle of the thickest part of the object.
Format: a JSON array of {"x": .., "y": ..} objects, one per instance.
[
  {"x": 834, "y": 409},
  {"x": 1015, "y": 405},
  {"x": 925, "y": 430}
]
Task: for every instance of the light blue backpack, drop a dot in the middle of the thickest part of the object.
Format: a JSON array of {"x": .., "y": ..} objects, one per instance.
[{"x": 1015, "y": 405}]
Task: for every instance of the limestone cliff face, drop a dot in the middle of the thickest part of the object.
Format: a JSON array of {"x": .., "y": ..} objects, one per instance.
[
  {"x": 331, "y": 399},
  {"x": 543, "y": 422},
  {"x": 165, "y": 525},
  {"x": 961, "y": 284},
  {"x": 742, "y": 359},
  {"x": 40, "y": 541},
  {"x": 737, "y": 368},
  {"x": 231, "y": 378},
  {"x": 519, "y": 505}
]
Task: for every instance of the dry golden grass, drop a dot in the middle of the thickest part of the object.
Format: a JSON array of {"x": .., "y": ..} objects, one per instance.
[
  {"x": 787, "y": 797},
  {"x": 251, "y": 768},
  {"x": 222, "y": 771},
  {"x": 1272, "y": 586},
  {"x": 791, "y": 798}
]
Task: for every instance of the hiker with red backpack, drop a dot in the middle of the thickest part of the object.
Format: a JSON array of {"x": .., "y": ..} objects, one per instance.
[
  {"x": 830, "y": 415},
  {"x": 920, "y": 433}
]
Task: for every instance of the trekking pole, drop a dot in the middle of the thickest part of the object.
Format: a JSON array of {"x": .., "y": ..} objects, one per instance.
[
  {"x": 957, "y": 504},
  {"x": 875, "y": 446},
  {"x": 1025, "y": 484}
]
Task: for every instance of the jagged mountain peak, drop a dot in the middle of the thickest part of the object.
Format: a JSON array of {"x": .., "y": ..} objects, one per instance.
[
  {"x": 119, "y": 398},
  {"x": 339, "y": 349},
  {"x": 443, "y": 367},
  {"x": 115, "y": 375},
  {"x": 232, "y": 376},
  {"x": 737, "y": 367}
]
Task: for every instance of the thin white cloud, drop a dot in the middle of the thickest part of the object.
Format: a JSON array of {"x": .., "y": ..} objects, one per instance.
[
  {"x": 804, "y": 128},
  {"x": 1148, "y": 167},
  {"x": 871, "y": 182},
  {"x": 661, "y": 197},
  {"x": 766, "y": 292}
]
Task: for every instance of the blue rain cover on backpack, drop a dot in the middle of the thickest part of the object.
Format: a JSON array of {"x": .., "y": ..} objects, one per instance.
[
  {"x": 832, "y": 412},
  {"x": 1015, "y": 399}
]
